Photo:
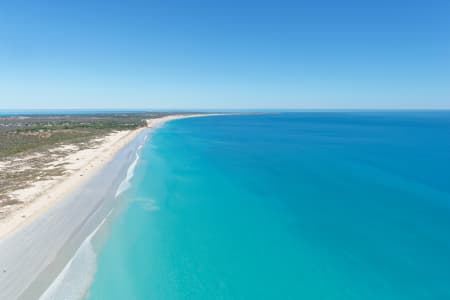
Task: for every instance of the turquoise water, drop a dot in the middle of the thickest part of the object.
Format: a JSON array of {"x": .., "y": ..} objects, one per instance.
[{"x": 286, "y": 206}]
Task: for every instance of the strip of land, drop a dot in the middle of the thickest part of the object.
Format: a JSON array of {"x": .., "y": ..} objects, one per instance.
[
  {"x": 63, "y": 212},
  {"x": 69, "y": 171}
]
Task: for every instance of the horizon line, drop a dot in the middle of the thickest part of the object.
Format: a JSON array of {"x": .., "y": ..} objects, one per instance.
[{"x": 140, "y": 109}]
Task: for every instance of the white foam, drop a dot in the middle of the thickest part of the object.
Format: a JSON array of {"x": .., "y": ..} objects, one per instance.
[
  {"x": 125, "y": 184},
  {"x": 76, "y": 277},
  {"x": 74, "y": 280},
  {"x": 150, "y": 205}
]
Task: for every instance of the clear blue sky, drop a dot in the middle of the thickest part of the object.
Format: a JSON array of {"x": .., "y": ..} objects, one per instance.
[{"x": 225, "y": 54}]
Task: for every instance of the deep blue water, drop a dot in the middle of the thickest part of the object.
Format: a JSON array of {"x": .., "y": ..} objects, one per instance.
[{"x": 286, "y": 206}]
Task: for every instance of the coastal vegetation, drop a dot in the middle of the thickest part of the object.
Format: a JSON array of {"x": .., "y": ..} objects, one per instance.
[
  {"x": 33, "y": 146},
  {"x": 21, "y": 134}
]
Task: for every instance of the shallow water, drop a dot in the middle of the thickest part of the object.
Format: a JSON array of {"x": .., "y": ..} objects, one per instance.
[{"x": 285, "y": 206}]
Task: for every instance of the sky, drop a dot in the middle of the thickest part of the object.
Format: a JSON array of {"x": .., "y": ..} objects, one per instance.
[{"x": 225, "y": 54}]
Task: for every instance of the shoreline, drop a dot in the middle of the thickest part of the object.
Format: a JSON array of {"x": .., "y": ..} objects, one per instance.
[
  {"x": 45, "y": 195},
  {"x": 35, "y": 251},
  {"x": 82, "y": 165}
]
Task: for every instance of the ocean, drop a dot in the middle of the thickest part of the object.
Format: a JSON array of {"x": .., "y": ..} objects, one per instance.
[{"x": 308, "y": 205}]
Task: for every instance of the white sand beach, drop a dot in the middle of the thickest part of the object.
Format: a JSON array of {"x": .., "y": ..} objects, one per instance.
[
  {"x": 37, "y": 240},
  {"x": 80, "y": 165}
]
